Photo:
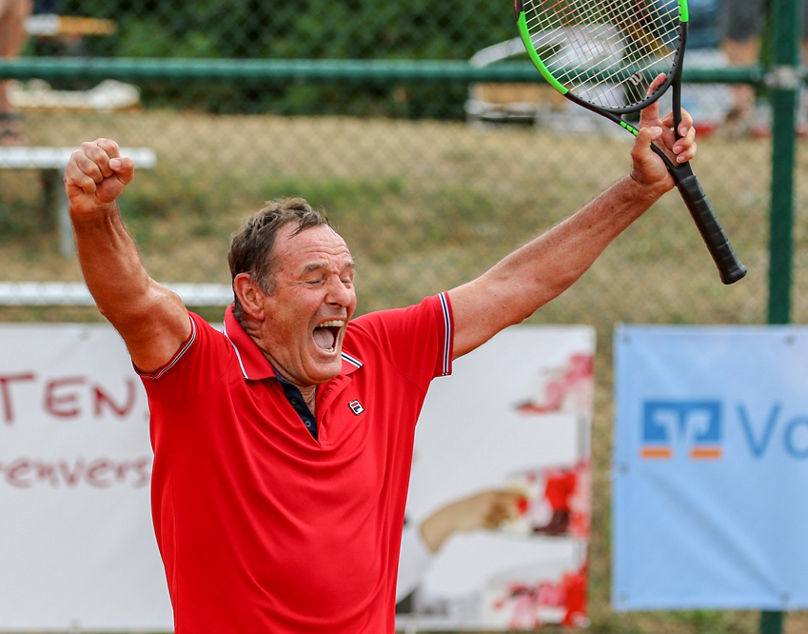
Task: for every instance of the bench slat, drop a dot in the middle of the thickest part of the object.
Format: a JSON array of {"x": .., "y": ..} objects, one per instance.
[
  {"x": 57, "y": 157},
  {"x": 53, "y": 25},
  {"x": 53, "y": 161}
]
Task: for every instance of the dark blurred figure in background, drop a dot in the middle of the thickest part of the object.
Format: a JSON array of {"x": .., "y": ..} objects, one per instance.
[
  {"x": 13, "y": 14},
  {"x": 741, "y": 26}
]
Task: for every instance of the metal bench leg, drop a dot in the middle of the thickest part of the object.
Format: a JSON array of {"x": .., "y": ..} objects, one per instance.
[
  {"x": 50, "y": 198},
  {"x": 67, "y": 244},
  {"x": 56, "y": 210}
]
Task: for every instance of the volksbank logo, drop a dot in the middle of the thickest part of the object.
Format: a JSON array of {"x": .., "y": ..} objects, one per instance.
[
  {"x": 708, "y": 429},
  {"x": 694, "y": 427}
]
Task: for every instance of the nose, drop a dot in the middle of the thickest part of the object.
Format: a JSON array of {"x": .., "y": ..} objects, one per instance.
[{"x": 340, "y": 293}]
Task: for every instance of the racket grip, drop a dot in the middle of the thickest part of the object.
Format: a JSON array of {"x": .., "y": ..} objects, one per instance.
[{"x": 729, "y": 266}]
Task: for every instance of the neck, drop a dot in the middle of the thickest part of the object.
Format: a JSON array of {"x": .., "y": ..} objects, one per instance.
[{"x": 310, "y": 397}]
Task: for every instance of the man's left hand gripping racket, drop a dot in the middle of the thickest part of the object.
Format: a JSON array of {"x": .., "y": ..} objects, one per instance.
[{"x": 604, "y": 55}]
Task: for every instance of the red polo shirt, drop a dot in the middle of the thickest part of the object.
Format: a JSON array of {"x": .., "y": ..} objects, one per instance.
[{"x": 261, "y": 527}]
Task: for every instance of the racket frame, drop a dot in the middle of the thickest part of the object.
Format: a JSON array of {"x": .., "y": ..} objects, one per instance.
[{"x": 730, "y": 268}]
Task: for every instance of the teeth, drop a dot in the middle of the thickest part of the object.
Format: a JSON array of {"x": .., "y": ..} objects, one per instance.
[
  {"x": 334, "y": 323},
  {"x": 321, "y": 338}
]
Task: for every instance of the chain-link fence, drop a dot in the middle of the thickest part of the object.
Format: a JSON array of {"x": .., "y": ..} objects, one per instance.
[{"x": 429, "y": 181}]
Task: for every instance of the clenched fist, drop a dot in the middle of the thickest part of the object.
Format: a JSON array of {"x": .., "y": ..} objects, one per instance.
[{"x": 95, "y": 176}]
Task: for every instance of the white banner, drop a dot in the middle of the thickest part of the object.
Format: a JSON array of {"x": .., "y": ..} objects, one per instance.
[
  {"x": 514, "y": 417},
  {"x": 78, "y": 548}
]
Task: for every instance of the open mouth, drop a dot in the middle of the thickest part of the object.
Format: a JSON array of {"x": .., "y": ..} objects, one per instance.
[{"x": 325, "y": 335}]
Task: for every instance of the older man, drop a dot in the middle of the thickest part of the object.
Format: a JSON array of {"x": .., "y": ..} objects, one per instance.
[{"x": 283, "y": 444}]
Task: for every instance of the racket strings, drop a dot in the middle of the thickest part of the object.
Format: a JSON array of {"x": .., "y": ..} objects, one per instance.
[{"x": 605, "y": 52}]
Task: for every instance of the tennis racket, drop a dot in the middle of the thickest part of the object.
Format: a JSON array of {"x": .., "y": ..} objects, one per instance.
[{"x": 604, "y": 55}]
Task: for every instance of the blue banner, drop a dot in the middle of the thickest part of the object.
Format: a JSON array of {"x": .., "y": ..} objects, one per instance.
[{"x": 710, "y": 468}]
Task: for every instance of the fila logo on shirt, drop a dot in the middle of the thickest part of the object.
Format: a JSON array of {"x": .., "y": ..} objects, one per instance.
[{"x": 356, "y": 407}]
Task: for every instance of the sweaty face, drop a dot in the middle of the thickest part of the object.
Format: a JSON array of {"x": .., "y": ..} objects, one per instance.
[{"x": 313, "y": 299}]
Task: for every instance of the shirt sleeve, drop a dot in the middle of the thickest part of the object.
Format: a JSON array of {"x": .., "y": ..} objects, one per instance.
[
  {"x": 418, "y": 339},
  {"x": 196, "y": 365}
]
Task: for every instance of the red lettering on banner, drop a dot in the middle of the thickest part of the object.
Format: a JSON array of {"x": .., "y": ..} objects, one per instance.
[
  {"x": 5, "y": 393},
  {"x": 140, "y": 469},
  {"x": 47, "y": 473},
  {"x": 69, "y": 397},
  {"x": 16, "y": 473},
  {"x": 71, "y": 476},
  {"x": 62, "y": 405},
  {"x": 100, "y": 473},
  {"x": 96, "y": 471},
  {"x": 102, "y": 398}
]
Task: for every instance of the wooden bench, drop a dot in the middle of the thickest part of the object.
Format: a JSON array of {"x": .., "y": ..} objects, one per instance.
[
  {"x": 51, "y": 161},
  {"x": 49, "y": 25},
  {"x": 76, "y": 294}
]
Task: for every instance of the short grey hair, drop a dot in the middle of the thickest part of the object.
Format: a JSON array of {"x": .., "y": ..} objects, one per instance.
[{"x": 251, "y": 246}]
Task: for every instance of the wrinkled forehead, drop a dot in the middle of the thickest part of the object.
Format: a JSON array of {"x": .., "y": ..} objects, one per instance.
[{"x": 313, "y": 244}]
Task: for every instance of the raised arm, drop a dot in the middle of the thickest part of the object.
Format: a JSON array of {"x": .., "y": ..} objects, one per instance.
[
  {"x": 522, "y": 282},
  {"x": 151, "y": 319}
]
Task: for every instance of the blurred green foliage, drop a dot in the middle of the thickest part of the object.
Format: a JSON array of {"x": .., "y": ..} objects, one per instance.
[{"x": 307, "y": 29}]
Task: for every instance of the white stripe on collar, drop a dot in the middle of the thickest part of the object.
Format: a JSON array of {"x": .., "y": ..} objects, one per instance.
[
  {"x": 352, "y": 360},
  {"x": 447, "y": 334},
  {"x": 238, "y": 354}
]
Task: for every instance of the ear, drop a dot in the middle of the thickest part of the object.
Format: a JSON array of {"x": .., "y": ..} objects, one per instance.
[{"x": 250, "y": 295}]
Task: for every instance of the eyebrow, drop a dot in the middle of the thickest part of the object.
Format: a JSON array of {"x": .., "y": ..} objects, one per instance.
[{"x": 316, "y": 266}]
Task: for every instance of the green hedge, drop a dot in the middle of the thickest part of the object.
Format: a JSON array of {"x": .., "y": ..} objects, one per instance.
[{"x": 348, "y": 29}]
